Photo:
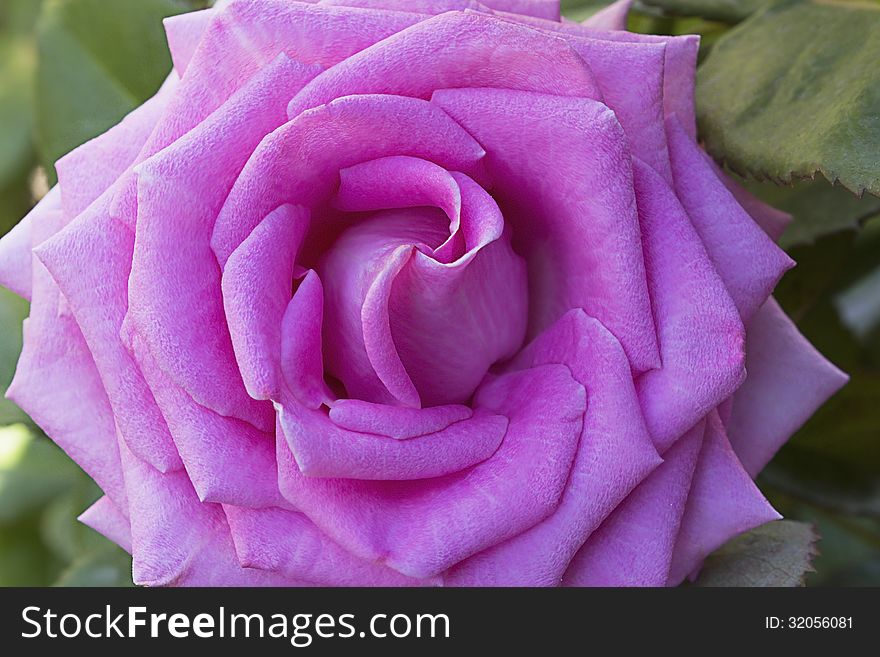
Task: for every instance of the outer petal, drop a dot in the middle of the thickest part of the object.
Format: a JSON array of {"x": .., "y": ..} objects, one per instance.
[
  {"x": 723, "y": 502},
  {"x": 772, "y": 221},
  {"x": 184, "y": 33},
  {"x": 634, "y": 546},
  {"x": 178, "y": 540},
  {"x": 747, "y": 260},
  {"x": 420, "y": 528},
  {"x": 701, "y": 335},
  {"x": 226, "y": 459},
  {"x": 90, "y": 261},
  {"x": 106, "y": 519},
  {"x": 288, "y": 543},
  {"x": 56, "y": 381},
  {"x": 547, "y": 9},
  {"x": 247, "y": 35},
  {"x": 175, "y": 301},
  {"x": 679, "y": 68},
  {"x": 419, "y": 60},
  {"x": 16, "y": 263},
  {"x": 787, "y": 381},
  {"x": 614, "y": 455},
  {"x": 612, "y": 17},
  {"x": 87, "y": 172},
  {"x": 580, "y": 235}
]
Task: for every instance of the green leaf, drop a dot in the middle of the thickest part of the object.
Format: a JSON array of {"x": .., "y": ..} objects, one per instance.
[
  {"x": 98, "y": 60},
  {"x": 729, "y": 11},
  {"x": 107, "y": 567},
  {"x": 580, "y": 10},
  {"x": 817, "y": 207},
  {"x": 32, "y": 471},
  {"x": 62, "y": 532},
  {"x": 17, "y": 63},
  {"x": 795, "y": 90},
  {"x": 24, "y": 560},
  {"x": 779, "y": 553},
  {"x": 13, "y": 310},
  {"x": 18, "y": 16}
]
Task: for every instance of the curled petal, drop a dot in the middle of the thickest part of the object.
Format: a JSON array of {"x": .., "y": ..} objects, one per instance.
[
  {"x": 323, "y": 449},
  {"x": 257, "y": 288},
  {"x": 308, "y": 153},
  {"x": 421, "y": 528},
  {"x": 395, "y": 421},
  {"x": 302, "y": 364}
]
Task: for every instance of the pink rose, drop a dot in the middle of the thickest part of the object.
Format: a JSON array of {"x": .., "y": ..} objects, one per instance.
[{"x": 411, "y": 292}]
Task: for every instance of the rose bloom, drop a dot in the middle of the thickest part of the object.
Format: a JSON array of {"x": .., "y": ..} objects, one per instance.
[{"x": 422, "y": 292}]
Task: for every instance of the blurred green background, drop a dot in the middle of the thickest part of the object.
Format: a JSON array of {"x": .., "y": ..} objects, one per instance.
[{"x": 70, "y": 69}]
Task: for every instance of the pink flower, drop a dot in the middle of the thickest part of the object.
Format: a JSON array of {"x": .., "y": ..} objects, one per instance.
[{"x": 422, "y": 292}]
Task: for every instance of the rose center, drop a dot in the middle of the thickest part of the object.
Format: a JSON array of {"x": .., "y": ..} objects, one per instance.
[{"x": 419, "y": 304}]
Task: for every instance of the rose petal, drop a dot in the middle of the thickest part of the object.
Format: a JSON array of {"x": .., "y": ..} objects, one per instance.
[
  {"x": 56, "y": 381},
  {"x": 701, "y": 334},
  {"x": 323, "y": 449},
  {"x": 787, "y": 381},
  {"x": 227, "y": 460},
  {"x": 90, "y": 261},
  {"x": 722, "y": 503},
  {"x": 106, "y": 519},
  {"x": 404, "y": 182},
  {"x": 747, "y": 260},
  {"x": 302, "y": 363},
  {"x": 308, "y": 153},
  {"x": 612, "y": 17},
  {"x": 679, "y": 69},
  {"x": 419, "y": 60},
  {"x": 395, "y": 421},
  {"x": 772, "y": 221},
  {"x": 257, "y": 288},
  {"x": 614, "y": 455},
  {"x": 16, "y": 261},
  {"x": 175, "y": 301},
  {"x": 420, "y": 528},
  {"x": 87, "y": 172},
  {"x": 178, "y": 540},
  {"x": 288, "y": 543},
  {"x": 184, "y": 33},
  {"x": 580, "y": 235},
  {"x": 634, "y": 545}
]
